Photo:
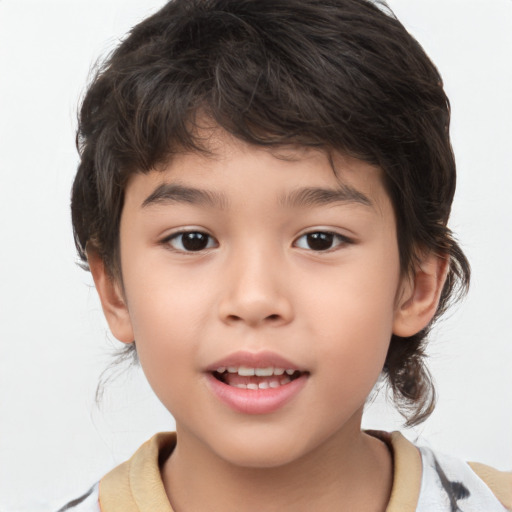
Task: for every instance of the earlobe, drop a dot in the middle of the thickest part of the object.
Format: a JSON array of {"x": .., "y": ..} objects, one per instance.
[
  {"x": 419, "y": 295},
  {"x": 112, "y": 299}
]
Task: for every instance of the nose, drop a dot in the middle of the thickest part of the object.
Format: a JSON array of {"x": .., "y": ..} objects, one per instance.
[{"x": 255, "y": 291}]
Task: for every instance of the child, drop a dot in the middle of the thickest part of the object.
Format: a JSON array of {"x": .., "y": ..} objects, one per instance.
[{"x": 262, "y": 200}]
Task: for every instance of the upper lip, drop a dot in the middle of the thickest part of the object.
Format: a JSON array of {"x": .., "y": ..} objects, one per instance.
[{"x": 263, "y": 359}]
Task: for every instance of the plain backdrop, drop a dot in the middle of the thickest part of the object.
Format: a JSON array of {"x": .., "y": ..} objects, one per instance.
[{"x": 54, "y": 440}]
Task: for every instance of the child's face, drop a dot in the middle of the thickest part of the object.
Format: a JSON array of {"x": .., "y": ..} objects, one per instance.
[{"x": 265, "y": 260}]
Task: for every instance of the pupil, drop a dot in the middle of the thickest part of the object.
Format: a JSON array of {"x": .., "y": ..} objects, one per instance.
[
  {"x": 320, "y": 241},
  {"x": 194, "y": 241}
]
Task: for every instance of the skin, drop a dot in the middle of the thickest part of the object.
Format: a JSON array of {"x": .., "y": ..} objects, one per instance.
[{"x": 259, "y": 285}]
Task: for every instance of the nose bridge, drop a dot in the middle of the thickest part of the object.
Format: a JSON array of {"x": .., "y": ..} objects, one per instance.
[{"x": 255, "y": 289}]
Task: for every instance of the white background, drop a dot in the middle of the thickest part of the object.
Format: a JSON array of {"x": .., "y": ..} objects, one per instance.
[{"x": 54, "y": 440}]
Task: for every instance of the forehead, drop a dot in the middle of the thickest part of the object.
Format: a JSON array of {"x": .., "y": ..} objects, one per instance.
[{"x": 233, "y": 171}]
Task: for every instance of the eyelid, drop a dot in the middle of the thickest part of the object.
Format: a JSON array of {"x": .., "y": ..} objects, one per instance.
[
  {"x": 343, "y": 240},
  {"x": 166, "y": 240}
]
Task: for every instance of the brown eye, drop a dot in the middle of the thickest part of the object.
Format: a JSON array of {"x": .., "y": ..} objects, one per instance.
[
  {"x": 320, "y": 241},
  {"x": 191, "y": 241}
]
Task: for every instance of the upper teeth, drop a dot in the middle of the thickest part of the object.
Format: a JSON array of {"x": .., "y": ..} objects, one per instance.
[{"x": 246, "y": 371}]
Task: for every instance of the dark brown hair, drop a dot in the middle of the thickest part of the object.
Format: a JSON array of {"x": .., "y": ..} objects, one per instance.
[{"x": 340, "y": 75}]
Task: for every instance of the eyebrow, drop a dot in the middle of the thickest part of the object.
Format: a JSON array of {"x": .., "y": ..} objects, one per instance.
[
  {"x": 173, "y": 193},
  {"x": 317, "y": 196}
]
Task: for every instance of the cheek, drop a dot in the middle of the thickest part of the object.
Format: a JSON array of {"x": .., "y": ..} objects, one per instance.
[
  {"x": 357, "y": 296},
  {"x": 165, "y": 299},
  {"x": 351, "y": 356},
  {"x": 356, "y": 348},
  {"x": 166, "y": 315},
  {"x": 351, "y": 315},
  {"x": 166, "y": 348}
]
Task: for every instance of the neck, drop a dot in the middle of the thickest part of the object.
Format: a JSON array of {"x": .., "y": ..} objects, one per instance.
[{"x": 351, "y": 471}]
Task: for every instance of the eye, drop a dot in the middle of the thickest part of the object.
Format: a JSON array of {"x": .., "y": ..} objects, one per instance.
[
  {"x": 321, "y": 241},
  {"x": 191, "y": 241}
]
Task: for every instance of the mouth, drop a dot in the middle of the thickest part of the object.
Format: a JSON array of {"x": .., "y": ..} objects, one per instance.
[
  {"x": 252, "y": 378},
  {"x": 256, "y": 383}
]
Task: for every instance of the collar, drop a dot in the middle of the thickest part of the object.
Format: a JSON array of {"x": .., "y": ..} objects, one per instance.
[{"x": 136, "y": 485}]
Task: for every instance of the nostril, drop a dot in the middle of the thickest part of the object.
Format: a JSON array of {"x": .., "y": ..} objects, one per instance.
[{"x": 273, "y": 317}]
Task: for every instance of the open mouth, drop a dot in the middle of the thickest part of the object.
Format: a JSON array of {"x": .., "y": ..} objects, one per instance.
[{"x": 244, "y": 377}]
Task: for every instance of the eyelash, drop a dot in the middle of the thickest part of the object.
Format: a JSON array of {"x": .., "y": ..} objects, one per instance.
[
  {"x": 178, "y": 237},
  {"x": 322, "y": 236},
  {"x": 319, "y": 237}
]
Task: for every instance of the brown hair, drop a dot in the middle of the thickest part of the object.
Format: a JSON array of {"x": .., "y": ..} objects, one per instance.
[{"x": 342, "y": 75}]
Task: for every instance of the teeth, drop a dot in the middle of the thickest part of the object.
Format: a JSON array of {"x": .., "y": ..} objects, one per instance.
[
  {"x": 263, "y": 385},
  {"x": 245, "y": 371},
  {"x": 264, "y": 372}
]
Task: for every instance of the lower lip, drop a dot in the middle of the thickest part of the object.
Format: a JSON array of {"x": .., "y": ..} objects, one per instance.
[{"x": 256, "y": 401}]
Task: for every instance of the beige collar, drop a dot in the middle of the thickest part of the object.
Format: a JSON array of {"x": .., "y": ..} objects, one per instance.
[
  {"x": 407, "y": 471},
  {"x": 136, "y": 485}
]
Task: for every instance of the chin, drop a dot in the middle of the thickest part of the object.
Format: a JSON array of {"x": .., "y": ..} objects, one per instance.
[
  {"x": 261, "y": 451},
  {"x": 258, "y": 459}
]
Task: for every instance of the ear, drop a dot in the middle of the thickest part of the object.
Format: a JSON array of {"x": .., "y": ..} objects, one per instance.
[
  {"x": 112, "y": 298},
  {"x": 419, "y": 295}
]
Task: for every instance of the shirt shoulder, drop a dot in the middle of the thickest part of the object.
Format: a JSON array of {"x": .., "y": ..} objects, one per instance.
[
  {"x": 450, "y": 484},
  {"x": 88, "y": 502}
]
